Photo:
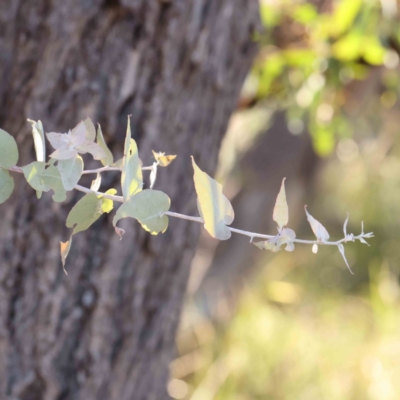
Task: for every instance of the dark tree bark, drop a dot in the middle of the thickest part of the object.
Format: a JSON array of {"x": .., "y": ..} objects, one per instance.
[{"x": 107, "y": 330}]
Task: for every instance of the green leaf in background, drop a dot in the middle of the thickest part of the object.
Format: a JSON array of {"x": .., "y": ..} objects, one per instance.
[
  {"x": 6, "y": 185},
  {"x": 70, "y": 171},
  {"x": 214, "y": 207},
  {"x": 348, "y": 47},
  {"x": 343, "y": 16},
  {"x": 281, "y": 211},
  {"x": 51, "y": 177},
  {"x": 108, "y": 159},
  {"x": 8, "y": 150},
  {"x": 147, "y": 207},
  {"x": 84, "y": 213},
  {"x": 131, "y": 176}
]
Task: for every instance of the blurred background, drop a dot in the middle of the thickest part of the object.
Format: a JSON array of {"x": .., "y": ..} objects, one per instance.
[{"x": 320, "y": 107}]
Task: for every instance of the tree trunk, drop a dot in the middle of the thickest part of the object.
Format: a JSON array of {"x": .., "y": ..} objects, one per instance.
[{"x": 107, "y": 330}]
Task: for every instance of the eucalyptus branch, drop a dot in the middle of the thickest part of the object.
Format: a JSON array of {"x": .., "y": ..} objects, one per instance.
[{"x": 151, "y": 208}]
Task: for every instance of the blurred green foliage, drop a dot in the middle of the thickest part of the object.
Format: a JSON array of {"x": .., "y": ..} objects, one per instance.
[
  {"x": 304, "y": 328},
  {"x": 311, "y": 60}
]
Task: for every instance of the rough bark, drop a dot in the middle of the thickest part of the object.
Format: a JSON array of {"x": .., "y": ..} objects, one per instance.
[{"x": 107, "y": 330}]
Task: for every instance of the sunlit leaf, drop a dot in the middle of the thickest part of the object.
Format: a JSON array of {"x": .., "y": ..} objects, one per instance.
[
  {"x": 8, "y": 150},
  {"x": 108, "y": 159},
  {"x": 65, "y": 247},
  {"x": 38, "y": 139},
  {"x": 6, "y": 185},
  {"x": 214, "y": 207},
  {"x": 131, "y": 176},
  {"x": 319, "y": 230},
  {"x": 147, "y": 207},
  {"x": 84, "y": 213},
  {"x": 281, "y": 211},
  {"x": 153, "y": 175},
  {"x": 80, "y": 139},
  {"x": 107, "y": 204},
  {"x": 70, "y": 171},
  {"x": 343, "y": 15},
  {"x": 163, "y": 160}
]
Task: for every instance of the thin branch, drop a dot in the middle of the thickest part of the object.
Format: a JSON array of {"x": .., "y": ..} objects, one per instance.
[{"x": 252, "y": 235}]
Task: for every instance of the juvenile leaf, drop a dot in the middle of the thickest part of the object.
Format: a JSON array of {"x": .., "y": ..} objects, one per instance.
[
  {"x": 319, "y": 230},
  {"x": 84, "y": 213},
  {"x": 281, "y": 212},
  {"x": 214, "y": 207},
  {"x": 51, "y": 178},
  {"x": 33, "y": 175},
  {"x": 38, "y": 139},
  {"x": 70, "y": 171},
  {"x": 341, "y": 250},
  {"x": 95, "y": 185},
  {"x": 108, "y": 159},
  {"x": 64, "y": 249},
  {"x": 285, "y": 237},
  {"x": 131, "y": 176},
  {"x": 162, "y": 159},
  {"x": 147, "y": 207},
  {"x": 6, "y": 185},
  {"x": 8, "y": 150},
  {"x": 80, "y": 139}
]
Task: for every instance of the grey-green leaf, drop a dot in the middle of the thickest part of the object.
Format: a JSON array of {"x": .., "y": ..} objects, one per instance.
[
  {"x": 6, "y": 185},
  {"x": 147, "y": 207},
  {"x": 8, "y": 150},
  {"x": 84, "y": 213},
  {"x": 51, "y": 177},
  {"x": 131, "y": 176},
  {"x": 33, "y": 175},
  {"x": 108, "y": 159},
  {"x": 214, "y": 207},
  {"x": 70, "y": 171}
]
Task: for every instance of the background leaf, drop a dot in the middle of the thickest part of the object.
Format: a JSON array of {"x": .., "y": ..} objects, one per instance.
[
  {"x": 281, "y": 211},
  {"x": 146, "y": 207},
  {"x": 214, "y": 207},
  {"x": 8, "y": 150},
  {"x": 6, "y": 185},
  {"x": 70, "y": 171}
]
